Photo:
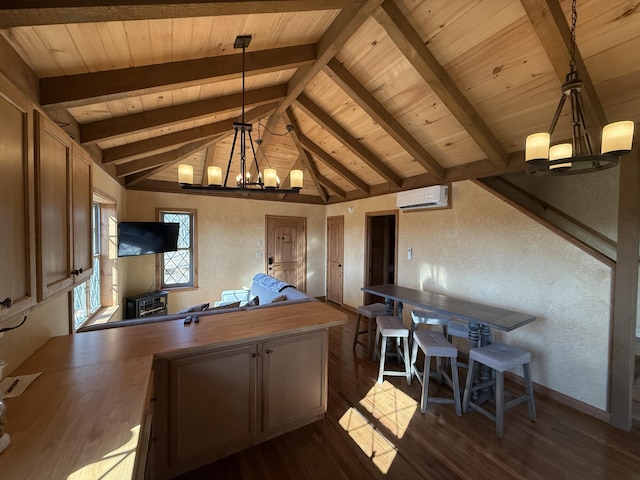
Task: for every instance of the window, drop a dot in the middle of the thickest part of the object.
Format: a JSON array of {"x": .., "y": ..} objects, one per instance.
[
  {"x": 177, "y": 269},
  {"x": 97, "y": 299},
  {"x": 86, "y": 296}
]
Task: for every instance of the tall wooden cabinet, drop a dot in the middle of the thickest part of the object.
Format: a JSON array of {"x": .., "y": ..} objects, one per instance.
[
  {"x": 63, "y": 209},
  {"x": 17, "y": 252},
  {"x": 223, "y": 400}
]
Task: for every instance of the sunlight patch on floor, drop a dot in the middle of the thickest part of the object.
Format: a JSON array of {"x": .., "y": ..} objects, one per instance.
[
  {"x": 391, "y": 406},
  {"x": 375, "y": 446},
  {"x": 116, "y": 464}
]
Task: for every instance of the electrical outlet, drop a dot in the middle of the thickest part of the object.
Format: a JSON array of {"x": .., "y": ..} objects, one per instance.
[{"x": 409, "y": 253}]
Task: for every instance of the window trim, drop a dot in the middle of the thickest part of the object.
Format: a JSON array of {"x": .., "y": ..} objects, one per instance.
[
  {"x": 194, "y": 251},
  {"x": 109, "y": 300}
]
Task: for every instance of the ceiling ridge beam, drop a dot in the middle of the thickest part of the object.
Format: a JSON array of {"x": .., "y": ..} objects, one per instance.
[
  {"x": 347, "y": 82},
  {"x": 550, "y": 25},
  {"x": 305, "y": 157},
  {"x": 95, "y": 87},
  {"x": 348, "y": 140},
  {"x": 50, "y": 12},
  {"x": 142, "y": 147},
  {"x": 108, "y": 129},
  {"x": 333, "y": 39},
  {"x": 413, "y": 48},
  {"x": 333, "y": 164}
]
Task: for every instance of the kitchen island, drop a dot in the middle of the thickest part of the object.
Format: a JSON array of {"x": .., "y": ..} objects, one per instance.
[{"x": 91, "y": 412}]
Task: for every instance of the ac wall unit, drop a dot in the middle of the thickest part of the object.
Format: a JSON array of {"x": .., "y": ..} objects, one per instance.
[{"x": 421, "y": 198}]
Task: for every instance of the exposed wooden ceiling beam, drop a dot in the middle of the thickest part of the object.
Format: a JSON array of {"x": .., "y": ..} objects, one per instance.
[
  {"x": 14, "y": 13},
  {"x": 411, "y": 45},
  {"x": 551, "y": 26},
  {"x": 357, "y": 148},
  {"x": 89, "y": 88},
  {"x": 143, "y": 147},
  {"x": 186, "y": 150},
  {"x": 333, "y": 39},
  {"x": 332, "y": 186},
  {"x": 334, "y": 164},
  {"x": 115, "y": 127},
  {"x": 339, "y": 74},
  {"x": 304, "y": 155},
  {"x": 167, "y": 159}
]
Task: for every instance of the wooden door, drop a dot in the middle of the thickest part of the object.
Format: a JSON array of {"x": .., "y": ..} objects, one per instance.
[
  {"x": 381, "y": 255},
  {"x": 335, "y": 258},
  {"x": 286, "y": 247},
  {"x": 212, "y": 405},
  {"x": 17, "y": 252},
  {"x": 294, "y": 380},
  {"x": 53, "y": 193}
]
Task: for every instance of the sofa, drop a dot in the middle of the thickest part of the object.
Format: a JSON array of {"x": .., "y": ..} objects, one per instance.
[{"x": 265, "y": 290}]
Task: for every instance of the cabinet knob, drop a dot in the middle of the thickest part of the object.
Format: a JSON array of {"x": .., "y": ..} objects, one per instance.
[
  {"x": 7, "y": 302},
  {"x": 268, "y": 351},
  {"x": 254, "y": 355},
  {"x": 77, "y": 272}
]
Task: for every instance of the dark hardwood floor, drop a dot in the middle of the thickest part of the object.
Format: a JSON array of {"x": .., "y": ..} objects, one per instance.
[{"x": 376, "y": 431}]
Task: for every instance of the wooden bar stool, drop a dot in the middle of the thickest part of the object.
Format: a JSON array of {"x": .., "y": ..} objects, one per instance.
[
  {"x": 371, "y": 312},
  {"x": 435, "y": 344},
  {"x": 501, "y": 358},
  {"x": 393, "y": 327}
]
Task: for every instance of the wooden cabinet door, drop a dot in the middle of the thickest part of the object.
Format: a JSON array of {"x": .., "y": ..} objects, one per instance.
[
  {"x": 17, "y": 252},
  {"x": 53, "y": 204},
  {"x": 212, "y": 405},
  {"x": 295, "y": 380},
  {"x": 81, "y": 201}
]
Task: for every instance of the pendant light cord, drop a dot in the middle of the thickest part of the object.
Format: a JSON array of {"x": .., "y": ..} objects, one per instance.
[{"x": 574, "y": 21}]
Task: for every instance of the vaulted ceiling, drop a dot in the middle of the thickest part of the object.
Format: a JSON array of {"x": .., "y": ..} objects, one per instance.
[{"x": 382, "y": 95}]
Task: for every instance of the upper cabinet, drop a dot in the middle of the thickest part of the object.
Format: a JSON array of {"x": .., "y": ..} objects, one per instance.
[
  {"x": 63, "y": 209},
  {"x": 17, "y": 259},
  {"x": 81, "y": 199}
]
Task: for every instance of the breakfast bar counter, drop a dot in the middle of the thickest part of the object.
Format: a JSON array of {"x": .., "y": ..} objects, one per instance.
[{"x": 86, "y": 415}]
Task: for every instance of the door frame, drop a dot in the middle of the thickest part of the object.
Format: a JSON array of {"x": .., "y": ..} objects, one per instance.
[{"x": 367, "y": 247}]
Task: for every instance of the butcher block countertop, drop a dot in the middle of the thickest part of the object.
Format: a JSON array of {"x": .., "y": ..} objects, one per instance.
[{"x": 81, "y": 418}]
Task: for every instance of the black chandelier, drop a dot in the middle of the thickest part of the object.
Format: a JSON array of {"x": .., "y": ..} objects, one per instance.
[
  {"x": 577, "y": 156},
  {"x": 269, "y": 183}
]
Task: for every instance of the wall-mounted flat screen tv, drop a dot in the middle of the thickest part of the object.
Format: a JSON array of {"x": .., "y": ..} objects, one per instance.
[{"x": 145, "y": 238}]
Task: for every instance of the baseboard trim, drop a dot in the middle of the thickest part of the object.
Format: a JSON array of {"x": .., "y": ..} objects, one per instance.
[{"x": 564, "y": 399}]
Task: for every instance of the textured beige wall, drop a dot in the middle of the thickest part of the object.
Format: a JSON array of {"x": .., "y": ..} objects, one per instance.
[
  {"x": 229, "y": 232},
  {"x": 486, "y": 251}
]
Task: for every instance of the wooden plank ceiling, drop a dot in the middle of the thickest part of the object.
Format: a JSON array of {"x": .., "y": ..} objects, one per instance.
[{"x": 382, "y": 95}]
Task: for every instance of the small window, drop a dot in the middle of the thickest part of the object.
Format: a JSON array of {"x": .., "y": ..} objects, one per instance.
[{"x": 177, "y": 269}]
